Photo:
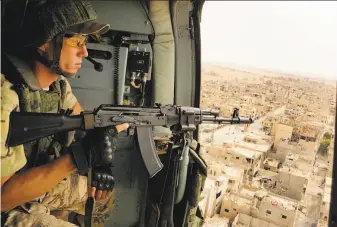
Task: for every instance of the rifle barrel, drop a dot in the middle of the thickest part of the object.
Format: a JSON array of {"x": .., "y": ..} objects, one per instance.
[{"x": 223, "y": 120}]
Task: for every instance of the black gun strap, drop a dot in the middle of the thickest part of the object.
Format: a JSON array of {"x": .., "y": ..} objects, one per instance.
[
  {"x": 167, "y": 205},
  {"x": 79, "y": 158},
  {"x": 89, "y": 205}
]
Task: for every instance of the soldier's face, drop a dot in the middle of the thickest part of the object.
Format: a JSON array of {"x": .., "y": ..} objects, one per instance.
[{"x": 73, "y": 51}]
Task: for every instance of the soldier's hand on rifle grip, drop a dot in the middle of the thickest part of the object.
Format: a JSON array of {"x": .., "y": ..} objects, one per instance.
[
  {"x": 97, "y": 146},
  {"x": 106, "y": 142},
  {"x": 103, "y": 183}
]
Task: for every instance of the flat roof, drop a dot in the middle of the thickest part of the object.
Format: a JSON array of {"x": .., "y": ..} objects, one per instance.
[
  {"x": 296, "y": 156},
  {"x": 271, "y": 162},
  {"x": 257, "y": 147},
  {"x": 314, "y": 186},
  {"x": 266, "y": 173},
  {"x": 246, "y": 152},
  {"x": 280, "y": 202},
  {"x": 328, "y": 182},
  {"x": 241, "y": 201},
  {"x": 217, "y": 221},
  {"x": 222, "y": 178},
  {"x": 295, "y": 171},
  {"x": 232, "y": 171},
  {"x": 248, "y": 193}
]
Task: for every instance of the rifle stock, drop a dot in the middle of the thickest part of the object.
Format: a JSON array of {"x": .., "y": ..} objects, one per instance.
[{"x": 26, "y": 127}]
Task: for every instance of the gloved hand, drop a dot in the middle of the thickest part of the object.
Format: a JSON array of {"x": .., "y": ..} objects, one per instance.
[
  {"x": 97, "y": 146},
  {"x": 101, "y": 143},
  {"x": 102, "y": 183}
]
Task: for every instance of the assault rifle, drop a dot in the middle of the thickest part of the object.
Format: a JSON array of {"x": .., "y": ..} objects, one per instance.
[{"x": 26, "y": 127}]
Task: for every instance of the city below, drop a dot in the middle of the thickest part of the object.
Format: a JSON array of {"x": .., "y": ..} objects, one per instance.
[{"x": 275, "y": 172}]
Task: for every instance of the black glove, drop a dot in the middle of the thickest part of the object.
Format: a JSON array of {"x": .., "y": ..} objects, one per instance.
[
  {"x": 97, "y": 146},
  {"x": 102, "y": 179}
]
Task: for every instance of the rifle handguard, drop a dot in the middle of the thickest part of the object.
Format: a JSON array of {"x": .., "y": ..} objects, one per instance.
[{"x": 79, "y": 159}]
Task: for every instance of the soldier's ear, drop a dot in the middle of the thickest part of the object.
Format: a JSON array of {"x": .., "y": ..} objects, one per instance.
[{"x": 44, "y": 47}]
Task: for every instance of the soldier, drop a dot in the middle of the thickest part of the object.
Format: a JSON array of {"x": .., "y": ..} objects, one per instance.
[{"x": 43, "y": 183}]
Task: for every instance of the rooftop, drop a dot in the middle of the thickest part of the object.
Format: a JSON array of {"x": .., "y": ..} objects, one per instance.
[
  {"x": 322, "y": 223},
  {"x": 239, "y": 200},
  {"x": 232, "y": 172},
  {"x": 222, "y": 178},
  {"x": 247, "y": 192},
  {"x": 263, "y": 148},
  {"x": 271, "y": 162},
  {"x": 328, "y": 182},
  {"x": 295, "y": 171},
  {"x": 315, "y": 186},
  {"x": 266, "y": 173},
  {"x": 302, "y": 162},
  {"x": 321, "y": 163},
  {"x": 327, "y": 190},
  {"x": 260, "y": 137},
  {"x": 246, "y": 152},
  {"x": 296, "y": 148},
  {"x": 245, "y": 220},
  {"x": 217, "y": 221},
  {"x": 282, "y": 202},
  {"x": 209, "y": 183},
  {"x": 304, "y": 220}
]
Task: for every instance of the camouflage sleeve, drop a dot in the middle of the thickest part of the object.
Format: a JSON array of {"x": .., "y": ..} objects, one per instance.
[
  {"x": 12, "y": 158},
  {"x": 70, "y": 100}
]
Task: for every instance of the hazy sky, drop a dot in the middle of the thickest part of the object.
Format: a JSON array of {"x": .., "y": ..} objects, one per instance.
[{"x": 298, "y": 37}]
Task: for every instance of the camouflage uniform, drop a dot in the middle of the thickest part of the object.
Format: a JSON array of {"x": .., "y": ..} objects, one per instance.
[{"x": 70, "y": 194}]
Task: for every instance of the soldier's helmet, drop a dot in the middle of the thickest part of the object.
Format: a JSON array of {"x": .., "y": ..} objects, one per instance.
[{"x": 28, "y": 24}]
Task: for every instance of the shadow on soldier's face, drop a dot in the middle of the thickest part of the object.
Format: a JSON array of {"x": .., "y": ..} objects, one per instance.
[{"x": 71, "y": 57}]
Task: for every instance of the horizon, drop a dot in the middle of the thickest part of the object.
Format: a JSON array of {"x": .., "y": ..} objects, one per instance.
[
  {"x": 256, "y": 35},
  {"x": 285, "y": 73}
]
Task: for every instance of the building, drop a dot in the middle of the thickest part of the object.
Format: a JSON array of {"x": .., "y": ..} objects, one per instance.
[
  {"x": 292, "y": 182},
  {"x": 320, "y": 167},
  {"x": 266, "y": 179},
  {"x": 235, "y": 176},
  {"x": 285, "y": 147},
  {"x": 262, "y": 147},
  {"x": 271, "y": 164},
  {"x": 208, "y": 198},
  {"x": 217, "y": 221},
  {"x": 304, "y": 220},
  {"x": 233, "y": 204},
  {"x": 313, "y": 196},
  {"x": 246, "y": 159},
  {"x": 294, "y": 174},
  {"x": 325, "y": 206},
  {"x": 278, "y": 210},
  {"x": 217, "y": 152},
  {"x": 222, "y": 184},
  {"x": 283, "y": 132},
  {"x": 244, "y": 220},
  {"x": 212, "y": 195},
  {"x": 214, "y": 170},
  {"x": 330, "y": 157}
]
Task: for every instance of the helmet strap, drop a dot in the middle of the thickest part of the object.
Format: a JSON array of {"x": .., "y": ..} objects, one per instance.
[{"x": 51, "y": 57}]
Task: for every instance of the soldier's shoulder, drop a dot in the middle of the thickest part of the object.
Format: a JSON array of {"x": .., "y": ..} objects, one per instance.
[
  {"x": 9, "y": 97},
  {"x": 64, "y": 79}
]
